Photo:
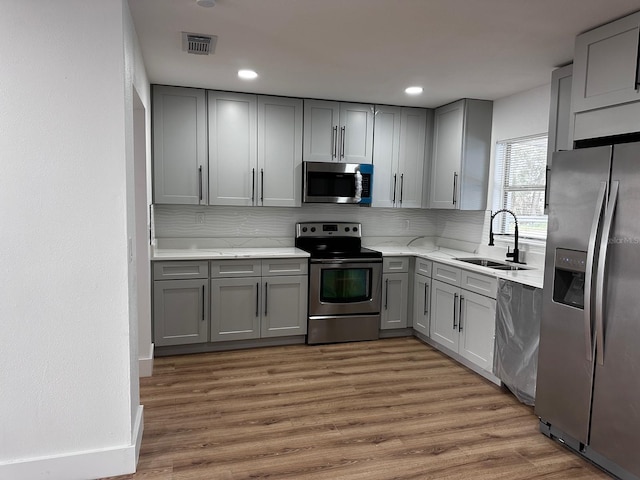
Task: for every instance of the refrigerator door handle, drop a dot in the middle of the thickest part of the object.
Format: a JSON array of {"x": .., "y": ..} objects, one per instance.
[
  {"x": 588, "y": 281},
  {"x": 602, "y": 265}
]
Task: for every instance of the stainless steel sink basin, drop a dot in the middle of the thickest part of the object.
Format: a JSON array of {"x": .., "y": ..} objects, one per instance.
[{"x": 491, "y": 263}]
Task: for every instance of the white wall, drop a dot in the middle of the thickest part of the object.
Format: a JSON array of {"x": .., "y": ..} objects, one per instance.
[{"x": 68, "y": 382}]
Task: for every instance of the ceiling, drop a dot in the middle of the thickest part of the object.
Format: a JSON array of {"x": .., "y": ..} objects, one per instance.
[{"x": 369, "y": 50}]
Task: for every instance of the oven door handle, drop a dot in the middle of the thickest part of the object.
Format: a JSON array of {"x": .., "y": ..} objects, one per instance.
[{"x": 328, "y": 261}]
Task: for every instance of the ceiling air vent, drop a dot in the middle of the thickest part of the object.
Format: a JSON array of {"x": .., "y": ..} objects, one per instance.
[{"x": 198, "y": 43}]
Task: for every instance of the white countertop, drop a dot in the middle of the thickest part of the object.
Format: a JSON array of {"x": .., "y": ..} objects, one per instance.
[
  {"x": 226, "y": 253},
  {"x": 533, "y": 277}
]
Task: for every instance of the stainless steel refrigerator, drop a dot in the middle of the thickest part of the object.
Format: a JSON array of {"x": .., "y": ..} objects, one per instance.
[{"x": 588, "y": 385}]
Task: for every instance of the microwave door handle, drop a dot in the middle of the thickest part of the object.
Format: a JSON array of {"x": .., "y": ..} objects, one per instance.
[
  {"x": 602, "y": 265},
  {"x": 588, "y": 278}
]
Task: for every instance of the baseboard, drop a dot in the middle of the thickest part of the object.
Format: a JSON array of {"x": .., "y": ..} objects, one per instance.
[
  {"x": 145, "y": 363},
  {"x": 80, "y": 465}
]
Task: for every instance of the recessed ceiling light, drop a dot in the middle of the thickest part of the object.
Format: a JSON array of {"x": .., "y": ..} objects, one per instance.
[
  {"x": 206, "y": 3},
  {"x": 247, "y": 74},
  {"x": 413, "y": 90}
]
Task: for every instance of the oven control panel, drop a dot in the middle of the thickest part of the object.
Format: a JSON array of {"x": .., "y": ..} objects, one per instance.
[{"x": 327, "y": 229}]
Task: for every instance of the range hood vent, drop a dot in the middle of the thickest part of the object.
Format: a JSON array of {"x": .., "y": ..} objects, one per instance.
[{"x": 198, "y": 43}]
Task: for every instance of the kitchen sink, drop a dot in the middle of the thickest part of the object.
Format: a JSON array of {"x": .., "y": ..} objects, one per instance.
[{"x": 491, "y": 263}]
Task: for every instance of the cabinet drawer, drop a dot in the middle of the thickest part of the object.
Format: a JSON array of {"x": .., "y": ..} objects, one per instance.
[
  {"x": 285, "y": 266},
  {"x": 445, "y": 273},
  {"x": 395, "y": 264},
  {"x": 180, "y": 270},
  {"x": 236, "y": 268},
  {"x": 482, "y": 284},
  {"x": 423, "y": 267}
]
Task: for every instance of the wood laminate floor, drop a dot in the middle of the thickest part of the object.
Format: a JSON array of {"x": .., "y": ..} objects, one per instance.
[{"x": 387, "y": 409}]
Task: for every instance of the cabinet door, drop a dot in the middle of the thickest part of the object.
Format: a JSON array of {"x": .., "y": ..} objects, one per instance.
[
  {"x": 477, "y": 328},
  {"x": 279, "y": 174},
  {"x": 284, "y": 306},
  {"x": 179, "y": 146},
  {"x": 395, "y": 296},
  {"x": 560, "y": 137},
  {"x": 444, "y": 314},
  {"x": 356, "y": 133},
  {"x": 232, "y": 148},
  {"x": 421, "y": 304},
  {"x": 235, "y": 308},
  {"x": 180, "y": 312},
  {"x": 321, "y": 122},
  {"x": 605, "y": 65},
  {"x": 386, "y": 152},
  {"x": 447, "y": 155},
  {"x": 411, "y": 159}
]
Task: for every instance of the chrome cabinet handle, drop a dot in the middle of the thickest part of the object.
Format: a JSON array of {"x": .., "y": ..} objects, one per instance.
[
  {"x": 638, "y": 67},
  {"x": 334, "y": 141},
  {"x": 546, "y": 188},
  {"x": 203, "y": 303},
  {"x": 200, "y": 182},
  {"x": 455, "y": 186},
  {"x": 588, "y": 278},
  {"x": 266, "y": 297},
  {"x": 262, "y": 185},
  {"x": 602, "y": 265},
  {"x": 343, "y": 133},
  {"x": 386, "y": 293},
  {"x": 455, "y": 300},
  {"x": 460, "y": 313},
  {"x": 401, "y": 187},
  {"x": 395, "y": 177},
  {"x": 253, "y": 185},
  {"x": 257, "y": 299}
]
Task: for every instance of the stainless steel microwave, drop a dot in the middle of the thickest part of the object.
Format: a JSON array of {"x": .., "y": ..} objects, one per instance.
[{"x": 337, "y": 182}]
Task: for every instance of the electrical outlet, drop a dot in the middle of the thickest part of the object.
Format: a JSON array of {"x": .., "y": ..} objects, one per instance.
[
  {"x": 406, "y": 224},
  {"x": 200, "y": 218}
]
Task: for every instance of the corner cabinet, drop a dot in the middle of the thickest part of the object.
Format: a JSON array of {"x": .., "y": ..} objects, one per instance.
[
  {"x": 400, "y": 139},
  {"x": 463, "y": 313},
  {"x": 338, "y": 132},
  {"x": 180, "y": 303},
  {"x": 258, "y": 298},
  {"x": 179, "y": 145},
  {"x": 461, "y": 155}
]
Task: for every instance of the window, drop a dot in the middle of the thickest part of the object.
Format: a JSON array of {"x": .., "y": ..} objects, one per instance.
[{"x": 520, "y": 176}]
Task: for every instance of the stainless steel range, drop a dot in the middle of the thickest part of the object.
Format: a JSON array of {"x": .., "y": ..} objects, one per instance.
[{"x": 345, "y": 283}]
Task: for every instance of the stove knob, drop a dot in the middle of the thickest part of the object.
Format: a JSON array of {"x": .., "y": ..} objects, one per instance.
[
  {"x": 313, "y": 229},
  {"x": 304, "y": 229},
  {"x": 346, "y": 229},
  {"x": 355, "y": 229}
]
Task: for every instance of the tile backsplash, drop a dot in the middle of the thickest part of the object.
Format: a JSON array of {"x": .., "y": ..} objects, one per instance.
[{"x": 268, "y": 224}]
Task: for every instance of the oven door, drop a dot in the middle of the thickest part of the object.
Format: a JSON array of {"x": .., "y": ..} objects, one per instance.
[{"x": 345, "y": 287}]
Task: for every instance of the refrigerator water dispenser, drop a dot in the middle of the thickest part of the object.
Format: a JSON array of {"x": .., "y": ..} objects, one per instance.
[{"x": 568, "y": 283}]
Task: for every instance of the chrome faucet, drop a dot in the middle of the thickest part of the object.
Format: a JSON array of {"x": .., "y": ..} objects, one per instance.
[{"x": 511, "y": 256}]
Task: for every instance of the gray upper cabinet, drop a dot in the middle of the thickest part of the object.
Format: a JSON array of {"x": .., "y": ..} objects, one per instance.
[
  {"x": 605, "y": 66},
  {"x": 179, "y": 146},
  {"x": 255, "y": 150},
  {"x": 399, "y": 156},
  {"x": 279, "y": 152},
  {"x": 560, "y": 135},
  {"x": 338, "y": 132},
  {"x": 461, "y": 154},
  {"x": 233, "y": 135}
]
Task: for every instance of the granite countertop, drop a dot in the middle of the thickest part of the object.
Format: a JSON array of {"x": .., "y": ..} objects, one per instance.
[
  {"x": 226, "y": 253},
  {"x": 533, "y": 276}
]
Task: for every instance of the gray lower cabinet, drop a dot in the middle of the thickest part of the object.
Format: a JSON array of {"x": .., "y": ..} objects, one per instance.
[
  {"x": 463, "y": 310},
  {"x": 258, "y": 299},
  {"x": 180, "y": 303},
  {"x": 422, "y": 297},
  {"x": 395, "y": 293}
]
